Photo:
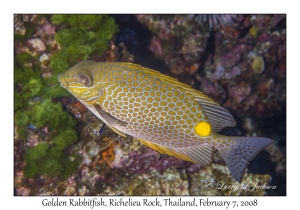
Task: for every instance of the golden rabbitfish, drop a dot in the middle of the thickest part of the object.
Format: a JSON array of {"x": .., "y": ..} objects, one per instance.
[{"x": 161, "y": 112}]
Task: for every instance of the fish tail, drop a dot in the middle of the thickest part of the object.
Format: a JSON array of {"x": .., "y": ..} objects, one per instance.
[{"x": 239, "y": 151}]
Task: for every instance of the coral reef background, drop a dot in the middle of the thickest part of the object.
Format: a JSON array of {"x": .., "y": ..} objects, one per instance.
[{"x": 238, "y": 60}]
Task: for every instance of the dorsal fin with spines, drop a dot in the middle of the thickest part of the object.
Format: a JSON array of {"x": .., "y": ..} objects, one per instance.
[{"x": 218, "y": 116}]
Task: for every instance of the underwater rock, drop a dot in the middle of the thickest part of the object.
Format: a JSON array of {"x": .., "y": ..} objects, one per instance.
[
  {"x": 153, "y": 183},
  {"x": 30, "y": 18},
  {"x": 219, "y": 72},
  {"x": 266, "y": 86},
  {"x": 32, "y": 139},
  {"x": 155, "y": 46},
  {"x": 230, "y": 59},
  {"x": 92, "y": 149},
  {"x": 37, "y": 44},
  {"x": 249, "y": 125},
  {"x": 19, "y": 25},
  {"x": 236, "y": 94},
  {"x": 44, "y": 59},
  {"x": 144, "y": 159},
  {"x": 214, "y": 90},
  {"x": 234, "y": 72},
  {"x": 46, "y": 29},
  {"x": 114, "y": 53},
  {"x": 258, "y": 65},
  {"x": 177, "y": 42},
  {"x": 215, "y": 180},
  {"x": 279, "y": 158},
  {"x": 23, "y": 191}
]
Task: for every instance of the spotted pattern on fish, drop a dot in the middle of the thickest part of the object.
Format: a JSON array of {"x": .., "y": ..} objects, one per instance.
[
  {"x": 161, "y": 112},
  {"x": 167, "y": 115}
]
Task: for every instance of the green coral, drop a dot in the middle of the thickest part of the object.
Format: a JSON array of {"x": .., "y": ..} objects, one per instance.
[
  {"x": 52, "y": 114},
  {"x": 46, "y": 159},
  {"x": 82, "y": 36},
  {"x": 18, "y": 101},
  {"x": 66, "y": 138},
  {"x": 79, "y": 36},
  {"x": 29, "y": 32},
  {"x": 50, "y": 160}
]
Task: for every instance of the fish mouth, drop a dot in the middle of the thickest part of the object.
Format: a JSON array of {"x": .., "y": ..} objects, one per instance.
[{"x": 62, "y": 81}]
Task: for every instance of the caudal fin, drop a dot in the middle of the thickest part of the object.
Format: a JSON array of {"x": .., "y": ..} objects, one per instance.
[{"x": 241, "y": 151}]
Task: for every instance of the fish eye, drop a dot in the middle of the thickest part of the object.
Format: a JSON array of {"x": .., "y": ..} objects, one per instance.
[{"x": 85, "y": 79}]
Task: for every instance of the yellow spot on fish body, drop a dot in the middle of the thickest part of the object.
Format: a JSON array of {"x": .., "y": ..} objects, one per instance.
[
  {"x": 171, "y": 105},
  {"x": 123, "y": 84},
  {"x": 155, "y": 88},
  {"x": 157, "y": 99},
  {"x": 169, "y": 94},
  {"x": 203, "y": 128},
  {"x": 163, "y": 103},
  {"x": 171, "y": 112},
  {"x": 179, "y": 104}
]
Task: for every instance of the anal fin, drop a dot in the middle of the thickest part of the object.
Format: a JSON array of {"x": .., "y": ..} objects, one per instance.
[{"x": 201, "y": 155}]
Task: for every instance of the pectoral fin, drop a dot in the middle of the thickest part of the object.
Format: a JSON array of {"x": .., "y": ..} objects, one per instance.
[{"x": 110, "y": 121}]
